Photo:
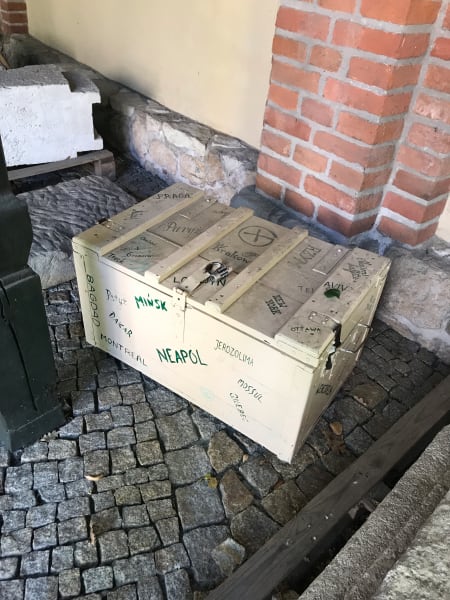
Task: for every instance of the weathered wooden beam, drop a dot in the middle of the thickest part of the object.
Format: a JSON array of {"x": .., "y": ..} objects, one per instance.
[
  {"x": 273, "y": 563},
  {"x": 100, "y": 158}
]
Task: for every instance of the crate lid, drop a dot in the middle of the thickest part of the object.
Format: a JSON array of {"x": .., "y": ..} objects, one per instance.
[{"x": 280, "y": 285}]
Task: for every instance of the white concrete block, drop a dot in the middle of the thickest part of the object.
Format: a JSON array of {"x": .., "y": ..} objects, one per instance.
[{"x": 46, "y": 114}]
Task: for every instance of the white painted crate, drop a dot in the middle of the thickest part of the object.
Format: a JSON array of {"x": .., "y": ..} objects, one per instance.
[{"x": 266, "y": 348}]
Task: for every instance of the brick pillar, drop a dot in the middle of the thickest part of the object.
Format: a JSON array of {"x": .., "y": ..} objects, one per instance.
[
  {"x": 420, "y": 181},
  {"x": 13, "y": 17},
  {"x": 343, "y": 79}
]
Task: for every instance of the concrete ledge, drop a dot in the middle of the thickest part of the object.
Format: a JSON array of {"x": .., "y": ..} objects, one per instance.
[
  {"x": 163, "y": 142},
  {"x": 360, "y": 567}
]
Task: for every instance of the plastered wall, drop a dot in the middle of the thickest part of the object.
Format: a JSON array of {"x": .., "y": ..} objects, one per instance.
[{"x": 207, "y": 59}]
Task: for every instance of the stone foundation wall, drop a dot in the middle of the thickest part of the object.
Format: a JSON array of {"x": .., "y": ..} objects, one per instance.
[{"x": 162, "y": 141}]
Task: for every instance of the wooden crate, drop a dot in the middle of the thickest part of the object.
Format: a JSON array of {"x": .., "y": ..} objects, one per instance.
[{"x": 257, "y": 324}]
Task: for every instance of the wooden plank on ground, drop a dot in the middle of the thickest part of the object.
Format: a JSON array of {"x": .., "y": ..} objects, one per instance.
[
  {"x": 273, "y": 563},
  {"x": 97, "y": 157}
]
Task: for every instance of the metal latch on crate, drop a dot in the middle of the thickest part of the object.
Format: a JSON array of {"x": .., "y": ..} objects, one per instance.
[{"x": 213, "y": 272}]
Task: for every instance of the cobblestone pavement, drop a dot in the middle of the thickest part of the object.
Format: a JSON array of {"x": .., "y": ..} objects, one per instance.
[{"x": 142, "y": 496}]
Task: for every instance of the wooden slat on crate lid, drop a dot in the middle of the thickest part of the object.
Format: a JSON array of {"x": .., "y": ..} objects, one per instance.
[
  {"x": 117, "y": 230},
  {"x": 326, "y": 313},
  {"x": 192, "y": 249},
  {"x": 256, "y": 269}
]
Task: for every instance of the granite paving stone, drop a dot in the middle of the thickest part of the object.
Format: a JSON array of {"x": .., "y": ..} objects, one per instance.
[
  {"x": 135, "y": 516},
  {"x": 12, "y": 520},
  {"x": 106, "y": 520},
  {"x": 122, "y": 416},
  {"x": 73, "y": 429},
  {"x": 126, "y": 592},
  {"x": 97, "y": 579},
  {"x": 82, "y": 402},
  {"x": 223, "y": 452},
  {"x": 228, "y": 556},
  {"x": 96, "y": 463},
  {"x": 143, "y": 539},
  {"x": 177, "y": 585},
  {"x": 72, "y": 530},
  {"x": 142, "y": 412},
  {"x": 164, "y": 402},
  {"x": 131, "y": 569},
  {"x": 187, "y": 465},
  {"x": 260, "y": 474},
  {"x": 171, "y": 558},
  {"x": 113, "y": 545},
  {"x": 76, "y": 507},
  {"x": 133, "y": 393},
  {"x": 69, "y": 582},
  {"x": 52, "y": 492},
  {"x": 62, "y": 558},
  {"x": 45, "y": 474},
  {"x": 18, "y": 479},
  {"x": 81, "y": 487},
  {"x": 60, "y": 449},
  {"x": 121, "y": 436},
  {"x": 157, "y": 472},
  {"x": 358, "y": 441},
  {"x": 198, "y": 504},
  {"x": 122, "y": 459},
  {"x": 85, "y": 554},
  {"x": 149, "y": 588},
  {"x": 98, "y": 422},
  {"x": 284, "y": 503},
  {"x": 35, "y": 453},
  {"x": 312, "y": 480},
  {"x": 206, "y": 424},
  {"x": 35, "y": 563},
  {"x": 176, "y": 431},
  {"x": 92, "y": 441},
  {"x": 103, "y": 500},
  {"x": 160, "y": 509},
  {"x": 108, "y": 397},
  {"x": 149, "y": 453},
  {"x": 41, "y": 587},
  {"x": 135, "y": 476},
  {"x": 128, "y": 494},
  {"x": 305, "y": 456},
  {"x": 4, "y": 457},
  {"x": 45, "y": 537},
  {"x": 8, "y": 567},
  {"x": 199, "y": 544},
  {"x": 17, "y": 542},
  {"x": 127, "y": 377},
  {"x": 156, "y": 489},
  {"x": 70, "y": 469},
  {"x": 252, "y": 528},
  {"x": 145, "y": 431},
  {"x": 113, "y": 482},
  {"x": 107, "y": 379},
  {"x": 12, "y": 590},
  {"x": 168, "y": 530},
  {"x": 235, "y": 494}
]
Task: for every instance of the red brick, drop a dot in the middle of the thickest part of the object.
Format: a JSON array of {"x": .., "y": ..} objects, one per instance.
[
  {"x": 403, "y": 12},
  {"x": 413, "y": 210},
  {"x": 345, "y": 226},
  {"x": 310, "y": 159},
  {"x": 397, "y": 104},
  {"x": 11, "y": 6},
  {"x": 361, "y": 99},
  {"x": 13, "y": 18},
  {"x": 317, "y": 111},
  {"x": 8, "y": 28},
  {"x": 350, "y": 204},
  {"x": 282, "y": 96},
  {"x": 441, "y": 48},
  {"x": 420, "y": 186},
  {"x": 326, "y": 58},
  {"x": 287, "y": 123},
  {"x": 299, "y": 203},
  {"x": 338, "y": 5},
  {"x": 269, "y": 187},
  {"x": 366, "y": 131},
  {"x": 365, "y": 155},
  {"x": 295, "y": 76},
  {"x": 309, "y": 24},
  {"x": 277, "y": 143},
  {"x": 434, "y": 108},
  {"x": 422, "y": 162},
  {"x": 382, "y": 75},
  {"x": 429, "y": 138},
  {"x": 446, "y": 24},
  {"x": 279, "y": 169},
  {"x": 394, "y": 45},
  {"x": 438, "y": 78},
  {"x": 289, "y": 48},
  {"x": 359, "y": 180},
  {"x": 403, "y": 233}
]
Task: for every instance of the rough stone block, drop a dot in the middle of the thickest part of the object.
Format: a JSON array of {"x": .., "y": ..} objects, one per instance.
[{"x": 46, "y": 115}]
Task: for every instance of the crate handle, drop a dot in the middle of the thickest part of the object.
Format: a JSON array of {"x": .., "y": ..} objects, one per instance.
[{"x": 366, "y": 330}]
